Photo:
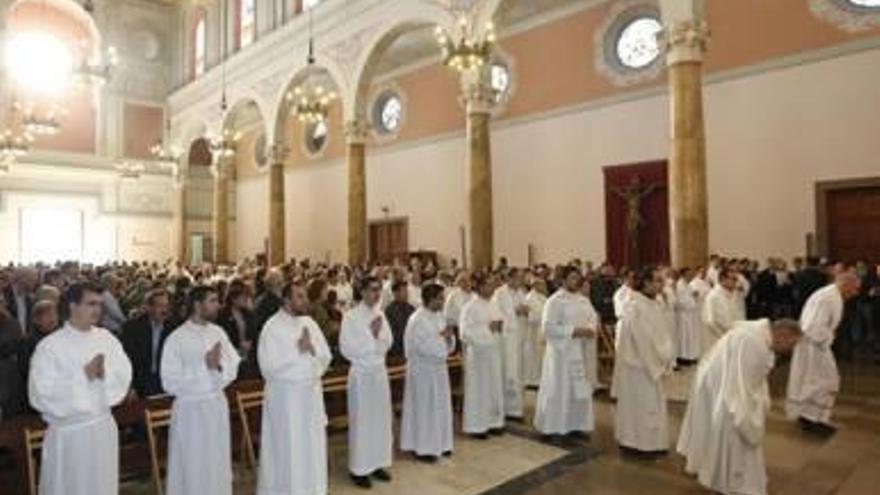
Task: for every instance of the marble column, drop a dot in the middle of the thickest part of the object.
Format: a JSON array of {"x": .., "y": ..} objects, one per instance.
[
  {"x": 220, "y": 220},
  {"x": 276, "y": 205},
  {"x": 688, "y": 203},
  {"x": 356, "y": 142},
  {"x": 180, "y": 227},
  {"x": 479, "y": 98}
]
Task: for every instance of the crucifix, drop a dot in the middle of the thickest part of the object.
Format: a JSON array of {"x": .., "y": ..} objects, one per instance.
[{"x": 632, "y": 195}]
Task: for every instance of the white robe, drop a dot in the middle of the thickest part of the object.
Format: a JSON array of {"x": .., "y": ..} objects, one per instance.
[
  {"x": 426, "y": 423},
  {"x": 199, "y": 449},
  {"x": 455, "y": 301},
  {"x": 719, "y": 313},
  {"x": 814, "y": 381},
  {"x": 507, "y": 300},
  {"x": 743, "y": 286},
  {"x": 293, "y": 438},
  {"x": 80, "y": 454},
  {"x": 369, "y": 394},
  {"x": 723, "y": 428},
  {"x": 644, "y": 354},
  {"x": 483, "y": 373},
  {"x": 533, "y": 346},
  {"x": 669, "y": 300},
  {"x": 585, "y": 316},
  {"x": 689, "y": 324},
  {"x": 565, "y": 397}
]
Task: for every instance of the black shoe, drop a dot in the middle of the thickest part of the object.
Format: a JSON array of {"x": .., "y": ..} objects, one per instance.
[
  {"x": 825, "y": 429},
  {"x": 427, "y": 459},
  {"x": 362, "y": 481},
  {"x": 579, "y": 435},
  {"x": 812, "y": 427},
  {"x": 515, "y": 419},
  {"x": 448, "y": 453},
  {"x": 496, "y": 431},
  {"x": 479, "y": 436},
  {"x": 381, "y": 475}
]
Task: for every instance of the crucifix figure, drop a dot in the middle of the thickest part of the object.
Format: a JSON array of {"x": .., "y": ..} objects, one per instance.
[{"x": 633, "y": 194}]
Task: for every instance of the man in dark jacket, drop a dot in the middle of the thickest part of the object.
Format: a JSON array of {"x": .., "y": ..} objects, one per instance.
[
  {"x": 398, "y": 313},
  {"x": 143, "y": 338}
]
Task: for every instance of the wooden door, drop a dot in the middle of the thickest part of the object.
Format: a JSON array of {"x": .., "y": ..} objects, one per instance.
[
  {"x": 853, "y": 216},
  {"x": 389, "y": 239}
]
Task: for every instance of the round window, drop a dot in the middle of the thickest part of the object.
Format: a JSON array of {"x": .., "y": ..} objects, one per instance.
[
  {"x": 388, "y": 113},
  {"x": 636, "y": 46},
  {"x": 500, "y": 75}
]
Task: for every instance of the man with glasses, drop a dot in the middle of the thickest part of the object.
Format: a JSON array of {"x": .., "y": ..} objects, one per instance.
[{"x": 77, "y": 374}]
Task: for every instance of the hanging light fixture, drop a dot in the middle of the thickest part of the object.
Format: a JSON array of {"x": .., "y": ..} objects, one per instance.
[
  {"x": 225, "y": 145},
  {"x": 467, "y": 51},
  {"x": 310, "y": 101},
  {"x": 166, "y": 155},
  {"x": 96, "y": 70},
  {"x": 14, "y": 142},
  {"x": 35, "y": 124}
]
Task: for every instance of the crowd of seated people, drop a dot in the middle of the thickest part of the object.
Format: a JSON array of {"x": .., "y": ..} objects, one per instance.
[{"x": 144, "y": 302}]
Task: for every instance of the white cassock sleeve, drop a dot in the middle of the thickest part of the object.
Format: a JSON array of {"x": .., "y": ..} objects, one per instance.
[
  {"x": 424, "y": 341},
  {"x": 746, "y": 394},
  {"x": 281, "y": 359},
  {"x": 654, "y": 348},
  {"x": 181, "y": 380},
  {"x": 473, "y": 331},
  {"x": 553, "y": 322},
  {"x": 357, "y": 344},
  {"x": 717, "y": 313},
  {"x": 67, "y": 395},
  {"x": 818, "y": 322}
]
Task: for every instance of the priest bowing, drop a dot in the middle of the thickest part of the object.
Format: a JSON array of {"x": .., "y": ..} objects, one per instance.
[{"x": 722, "y": 434}]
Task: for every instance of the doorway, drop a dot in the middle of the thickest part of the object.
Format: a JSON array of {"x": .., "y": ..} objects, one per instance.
[
  {"x": 848, "y": 219},
  {"x": 389, "y": 239}
]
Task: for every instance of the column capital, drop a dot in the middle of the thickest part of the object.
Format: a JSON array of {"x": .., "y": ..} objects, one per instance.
[
  {"x": 477, "y": 93},
  {"x": 220, "y": 167},
  {"x": 357, "y": 131},
  {"x": 278, "y": 154},
  {"x": 686, "y": 41}
]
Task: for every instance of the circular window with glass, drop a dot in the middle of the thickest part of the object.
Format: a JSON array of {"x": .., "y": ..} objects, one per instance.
[
  {"x": 500, "y": 80},
  {"x": 388, "y": 113},
  {"x": 636, "y": 45},
  {"x": 316, "y": 136}
]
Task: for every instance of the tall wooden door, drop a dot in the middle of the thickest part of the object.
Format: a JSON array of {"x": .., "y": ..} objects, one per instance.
[
  {"x": 853, "y": 216},
  {"x": 389, "y": 239},
  {"x": 637, "y": 214}
]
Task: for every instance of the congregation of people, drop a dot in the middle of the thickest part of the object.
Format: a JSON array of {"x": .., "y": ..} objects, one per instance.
[{"x": 78, "y": 339}]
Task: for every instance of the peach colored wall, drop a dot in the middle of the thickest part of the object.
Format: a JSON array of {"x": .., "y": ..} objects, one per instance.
[
  {"x": 252, "y": 220},
  {"x": 142, "y": 126}
]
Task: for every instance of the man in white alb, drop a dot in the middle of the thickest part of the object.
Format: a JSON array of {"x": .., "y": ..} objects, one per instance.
[
  {"x": 293, "y": 356},
  {"x": 481, "y": 327},
  {"x": 719, "y": 309},
  {"x": 364, "y": 340},
  {"x": 198, "y": 362},
  {"x": 813, "y": 381},
  {"x": 426, "y": 423},
  {"x": 533, "y": 348},
  {"x": 77, "y": 374},
  {"x": 510, "y": 298},
  {"x": 565, "y": 396},
  {"x": 722, "y": 434}
]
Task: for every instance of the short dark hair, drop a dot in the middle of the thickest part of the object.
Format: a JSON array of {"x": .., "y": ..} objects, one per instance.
[
  {"x": 566, "y": 270},
  {"x": 313, "y": 290},
  {"x": 154, "y": 294},
  {"x": 642, "y": 276},
  {"x": 199, "y": 294},
  {"x": 430, "y": 292},
  {"x": 77, "y": 291},
  {"x": 399, "y": 284}
]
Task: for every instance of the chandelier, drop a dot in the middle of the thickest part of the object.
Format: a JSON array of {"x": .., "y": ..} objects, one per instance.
[
  {"x": 467, "y": 51},
  {"x": 13, "y": 146},
  {"x": 166, "y": 155},
  {"x": 225, "y": 145},
  {"x": 130, "y": 169},
  {"x": 310, "y": 101},
  {"x": 41, "y": 125}
]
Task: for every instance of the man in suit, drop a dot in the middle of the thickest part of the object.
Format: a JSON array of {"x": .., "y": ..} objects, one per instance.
[
  {"x": 143, "y": 338},
  {"x": 269, "y": 302},
  {"x": 20, "y": 296}
]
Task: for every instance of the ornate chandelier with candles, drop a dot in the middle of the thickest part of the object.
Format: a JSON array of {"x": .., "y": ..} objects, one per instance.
[
  {"x": 166, "y": 155},
  {"x": 13, "y": 146},
  {"x": 310, "y": 101},
  {"x": 96, "y": 71},
  {"x": 468, "y": 50},
  {"x": 224, "y": 146},
  {"x": 36, "y": 124}
]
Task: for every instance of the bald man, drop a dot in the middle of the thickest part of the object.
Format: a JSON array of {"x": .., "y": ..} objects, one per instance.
[{"x": 814, "y": 380}]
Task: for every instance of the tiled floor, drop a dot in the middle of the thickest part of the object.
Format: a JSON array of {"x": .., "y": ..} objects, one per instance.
[{"x": 519, "y": 463}]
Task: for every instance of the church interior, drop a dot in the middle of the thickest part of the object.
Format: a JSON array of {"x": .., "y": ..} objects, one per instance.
[{"x": 246, "y": 145}]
